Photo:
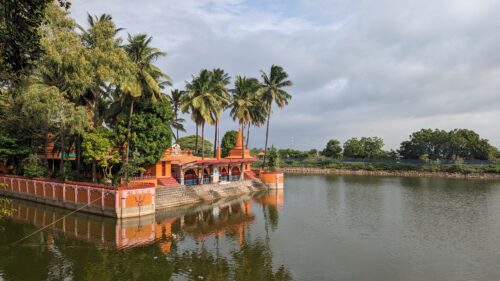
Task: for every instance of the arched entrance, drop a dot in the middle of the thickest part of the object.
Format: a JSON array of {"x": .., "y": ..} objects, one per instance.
[
  {"x": 224, "y": 174},
  {"x": 235, "y": 173},
  {"x": 206, "y": 175},
  {"x": 190, "y": 177}
]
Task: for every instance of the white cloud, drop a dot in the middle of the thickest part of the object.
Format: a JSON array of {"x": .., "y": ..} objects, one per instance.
[{"x": 383, "y": 68}]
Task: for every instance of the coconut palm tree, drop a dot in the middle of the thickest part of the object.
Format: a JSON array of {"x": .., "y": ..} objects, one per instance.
[
  {"x": 109, "y": 65},
  {"x": 175, "y": 99},
  {"x": 220, "y": 80},
  {"x": 244, "y": 92},
  {"x": 259, "y": 113},
  {"x": 201, "y": 102},
  {"x": 148, "y": 77},
  {"x": 273, "y": 92}
]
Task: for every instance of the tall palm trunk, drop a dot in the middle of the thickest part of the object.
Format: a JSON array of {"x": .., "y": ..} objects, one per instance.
[
  {"x": 248, "y": 134},
  {"x": 242, "y": 150},
  {"x": 129, "y": 135},
  {"x": 267, "y": 136},
  {"x": 203, "y": 140},
  {"x": 218, "y": 135},
  {"x": 196, "y": 140},
  {"x": 61, "y": 167},
  {"x": 78, "y": 154},
  {"x": 176, "y": 113},
  {"x": 215, "y": 138},
  {"x": 94, "y": 170}
]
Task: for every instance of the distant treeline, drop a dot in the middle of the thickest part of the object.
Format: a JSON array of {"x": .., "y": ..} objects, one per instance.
[{"x": 426, "y": 144}]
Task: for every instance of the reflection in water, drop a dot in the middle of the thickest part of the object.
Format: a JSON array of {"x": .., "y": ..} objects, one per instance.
[
  {"x": 331, "y": 228},
  {"x": 177, "y": 243}
]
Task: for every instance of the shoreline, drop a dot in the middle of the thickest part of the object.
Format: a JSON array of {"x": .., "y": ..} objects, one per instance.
[{"x": 407, "y": 173}]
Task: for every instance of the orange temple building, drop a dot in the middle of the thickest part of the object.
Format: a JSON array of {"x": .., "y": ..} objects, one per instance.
[{"x": 181, "y": 167}]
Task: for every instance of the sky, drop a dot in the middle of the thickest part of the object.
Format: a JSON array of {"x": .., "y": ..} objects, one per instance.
[{"x": 381, "y": 68}]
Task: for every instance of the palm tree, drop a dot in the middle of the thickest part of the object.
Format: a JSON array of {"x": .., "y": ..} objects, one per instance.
[
  {"x": 100, "y": 38},
  {"x": 148, "y": 76},
  {"x": 259, "y": 113},
  {"x": 220, "y": 80},
  {"x": 108, "y": 62},
  {"x": 175, "y": 99},
  {"x": 201, "y": 102},
  {"x": 244, "y": 92},
  {"x": 273, "y": 92}
]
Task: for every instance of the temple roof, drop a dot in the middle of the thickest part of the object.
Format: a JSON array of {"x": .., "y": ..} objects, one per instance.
[{"x": 178, "y": 156}]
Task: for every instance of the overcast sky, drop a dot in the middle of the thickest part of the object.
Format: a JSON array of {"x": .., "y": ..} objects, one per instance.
[{"x": 360, "y": 68}]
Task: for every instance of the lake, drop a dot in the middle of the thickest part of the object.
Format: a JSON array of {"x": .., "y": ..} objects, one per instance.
[{"x": 318, "y": 228}]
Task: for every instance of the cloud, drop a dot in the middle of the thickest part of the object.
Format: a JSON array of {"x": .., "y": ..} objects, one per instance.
[{"x": 360, "y": 68}]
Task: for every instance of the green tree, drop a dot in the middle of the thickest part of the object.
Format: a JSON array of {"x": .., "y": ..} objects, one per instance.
[
  {"x": 152, "y": 133},
  {"x": 364, "y": 148},
  {"x": 219, "y": 81},
  {"x": 467, "y": 144},
  {"x": 98, "y": 148},
  {"x": 133, "y": 167},
  {"x": 65, "y": 63},
  {"x": 20, "y": 46},
  {"x": 70, "y": 121},
  {"x": 148, "y": 76},
  {"x": 175, "y": 99},
  {"x": 273, "y": 92},
  {"x": 228, "y": 142},
  {"x": 244, "y": 92},
  {"x": 189, "y": 142},
  {"x": 33, "y": 167},
  {"x": 111, "y": 67},
  {"x": 202, "y": 102},
  {"x": 332, "y": 149},
  {"x": 258, "y": 112},
  {"x": 441, "y": 145},
  {"x": 33, "y": 114},
  {"x": 274, "y": 159},
  {"x": 292, "y": 154}
]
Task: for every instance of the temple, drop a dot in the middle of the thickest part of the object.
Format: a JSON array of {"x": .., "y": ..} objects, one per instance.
[{"x": 181, "y": 167}]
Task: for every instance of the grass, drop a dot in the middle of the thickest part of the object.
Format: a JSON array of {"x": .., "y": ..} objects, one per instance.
[{"x": 448, "y": 168}]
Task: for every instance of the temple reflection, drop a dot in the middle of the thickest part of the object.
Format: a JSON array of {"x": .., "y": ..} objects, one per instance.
[{"x": 225, "y": 217}]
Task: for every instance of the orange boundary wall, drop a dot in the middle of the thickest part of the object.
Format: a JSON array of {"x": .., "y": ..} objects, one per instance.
[{"x": 119, "y": 202}]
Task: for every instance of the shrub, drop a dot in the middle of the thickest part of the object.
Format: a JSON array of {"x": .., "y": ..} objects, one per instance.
[{"x": 33, "y": 167}]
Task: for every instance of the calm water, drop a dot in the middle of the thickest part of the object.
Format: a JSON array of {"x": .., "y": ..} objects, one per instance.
[{"x": 319, "y": 228}]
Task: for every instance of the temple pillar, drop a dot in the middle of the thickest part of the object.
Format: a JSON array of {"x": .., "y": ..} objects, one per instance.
[
  {"x": 215, "y": 173},
  {"x": 181, "y": 177},
  {"x": 200, "y": 175}
]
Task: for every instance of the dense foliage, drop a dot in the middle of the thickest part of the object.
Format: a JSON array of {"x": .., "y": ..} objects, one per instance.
[
  {"x": 442, "y": 145},
  {"x": 97, "y": 99},
  {"x": 189, "y": 142},
  {"x": 152, "y": 133},
  {"x": 274, "y": 159},
  {"x": 228, "y": 142},
  {"x": 332, "y": 149},
  {"x": 20, "y": 46},
  {"x": 77, "y": 91},
  {"x": 365, "y": 147}
]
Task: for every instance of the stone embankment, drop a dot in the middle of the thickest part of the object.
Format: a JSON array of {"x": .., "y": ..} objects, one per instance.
[
  {"x": 320, "y": 171},
  {"x": 167, "y": 197}
]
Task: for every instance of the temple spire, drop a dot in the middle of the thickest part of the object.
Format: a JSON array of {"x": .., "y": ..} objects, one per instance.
[{"x": 239, "y": 140}]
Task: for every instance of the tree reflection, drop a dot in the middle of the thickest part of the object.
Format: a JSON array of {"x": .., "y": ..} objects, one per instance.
[{"x": 83, "y": 250}]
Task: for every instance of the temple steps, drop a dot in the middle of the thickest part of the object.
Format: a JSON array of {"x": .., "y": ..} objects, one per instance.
[{"x": 168, "y": 182}]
